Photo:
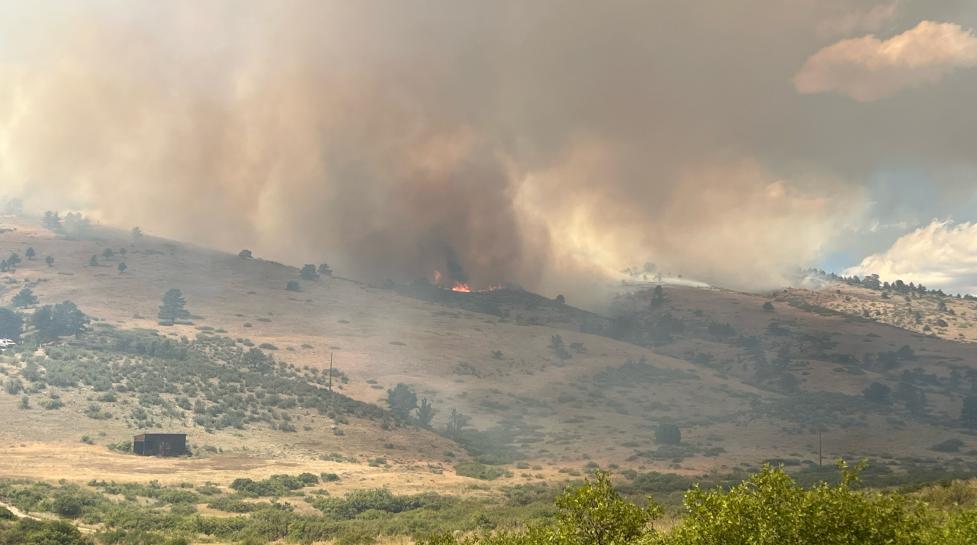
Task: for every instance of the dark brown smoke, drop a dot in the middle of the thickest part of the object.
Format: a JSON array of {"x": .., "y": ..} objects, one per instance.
[{"x": 544, "y": 143}]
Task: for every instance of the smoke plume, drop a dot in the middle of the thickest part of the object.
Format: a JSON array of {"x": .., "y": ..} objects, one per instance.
[{"x": 542, "y": 143}]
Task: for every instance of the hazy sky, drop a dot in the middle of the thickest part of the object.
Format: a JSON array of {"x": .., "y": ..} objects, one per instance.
[{"x": 539, "y": 142}]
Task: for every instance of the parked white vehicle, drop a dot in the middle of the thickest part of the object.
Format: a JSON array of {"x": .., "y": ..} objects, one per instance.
[{"x": 6, "y": 343}]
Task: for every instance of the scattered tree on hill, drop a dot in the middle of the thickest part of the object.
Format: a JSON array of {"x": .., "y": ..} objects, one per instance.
[
  {"x": 122, "y": 267},
  {"x": 968, "y": 413},
  {"x": 24, "y": 298},
  {"x": 324, "y": 270},
  {"x": 292, "y": 285},
  {"x": 559, "y": 348},
  {"x": 93, "y": 262},
  {"x": 49, "y": 260},
  {"x": 246, "y": 254},
  {"x": 561, "y": 300},
  {"x": 878, "y": 393},
  {"x": 657, "y": 296},
  {"x": 912, "y": 397},
  {"x": 402, "y": 400},
  {"x": 173, "y": 307},
  {"x": 13, "y": 260},
  {"x": 52, "y": 221},
  {"x": 76, "y": 224},
  {"x": 456, "y": 424},
  {"x": 668, "y": 434},
  {"x": 108, "y": 253},
  {"x": 11, "y": 324},
  {"x": 61, "y": 320},
  {"x": 425, "y": 413},
  {"x": 308, "y": 272},
  {"x": 136, "y": 234},
  {"x": 30, "y": 253},
  {"x": 768, "y": 306}
]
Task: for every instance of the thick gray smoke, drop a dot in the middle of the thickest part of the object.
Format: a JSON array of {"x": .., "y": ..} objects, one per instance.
[{"x": 542, "y": 143}]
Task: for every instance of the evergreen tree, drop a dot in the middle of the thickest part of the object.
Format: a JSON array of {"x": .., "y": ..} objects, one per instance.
[
  {"x": 11, "y": 324},
  {"x": 425, "y": 413},
  {"x": 968, "y": 413},
  {"x": 59, "y": 320},
  {"x": 24, "y": 298},
  {"x": 309, "y": 272},
  {"x": 402, "y": 400},
  {"x": 173, "y": 307},
  {"x": 30, "y": 253}
]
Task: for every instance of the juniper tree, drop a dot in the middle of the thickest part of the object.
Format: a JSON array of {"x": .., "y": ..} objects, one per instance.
[
  {"x": 24, "y": 298},
  {"x": 402, "y": 400},
  {"x": 173, "y": 307}
]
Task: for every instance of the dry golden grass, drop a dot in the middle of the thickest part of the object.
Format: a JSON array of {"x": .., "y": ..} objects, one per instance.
[{"x": 380, "y": 338}]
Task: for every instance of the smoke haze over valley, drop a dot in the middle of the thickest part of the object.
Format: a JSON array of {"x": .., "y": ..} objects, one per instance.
[{"x": 547, "y": 144}]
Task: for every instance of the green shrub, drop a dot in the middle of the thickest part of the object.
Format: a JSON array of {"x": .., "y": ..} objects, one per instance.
[{"x": 481, "y": 471}]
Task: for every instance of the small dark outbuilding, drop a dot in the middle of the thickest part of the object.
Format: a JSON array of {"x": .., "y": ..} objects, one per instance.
[{"x": 160, "y": 444}]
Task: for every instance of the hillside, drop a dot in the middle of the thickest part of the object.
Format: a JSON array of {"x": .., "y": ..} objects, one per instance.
[{"x": 548, "y": 388}]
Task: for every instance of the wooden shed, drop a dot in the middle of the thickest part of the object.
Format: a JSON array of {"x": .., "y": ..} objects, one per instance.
[{"x": 160, "y": 444}]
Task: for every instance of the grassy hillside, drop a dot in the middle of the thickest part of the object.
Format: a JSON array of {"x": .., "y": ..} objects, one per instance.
[{"x": 548, "y": 390}]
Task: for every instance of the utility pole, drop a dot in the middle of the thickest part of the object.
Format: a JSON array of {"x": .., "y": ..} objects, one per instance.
[
  {"x": 820, "y": 451},
  {"x": 330, "y": 373}
]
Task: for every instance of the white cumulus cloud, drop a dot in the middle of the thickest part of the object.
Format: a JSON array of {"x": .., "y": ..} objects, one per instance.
[
  {"x": 869, "y": 68},
  {"x": 942, "y": 255}
]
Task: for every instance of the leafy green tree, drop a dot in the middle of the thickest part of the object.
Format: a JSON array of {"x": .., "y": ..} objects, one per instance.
[
  {"x": 136, "y": 234},
  {"x": 30, "y": 253},
  {"x": 594, "y": 513},
  {"x": 324, "y": 270},
  {"x": 771, "y": 509},
  {"x": 174, "y": 306},
  {"x": 292, "y": 285},
  {"x": 425, "y": 413},
  {"x": 246, "y": 254},
  {"x": 122, "y": 267},
  {"x": 13, "y": 260},
  {"x": 11, "y": 324},
  {"x": 108, "y": 253},
  {"x": 402, "y": 400},
  {"x": 60, "y": 320},
  {"x": 49, "y": 260},
  {"x": 24, "y": 298}
]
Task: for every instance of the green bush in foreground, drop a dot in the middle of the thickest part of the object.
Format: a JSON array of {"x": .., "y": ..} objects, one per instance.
[{"x": 769, "y": 508}]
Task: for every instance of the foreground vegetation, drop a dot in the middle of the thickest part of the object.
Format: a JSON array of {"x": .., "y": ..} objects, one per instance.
[{"x": 768, "y": 508}]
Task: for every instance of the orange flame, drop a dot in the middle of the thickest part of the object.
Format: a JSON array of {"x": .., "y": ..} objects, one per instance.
[{"x": 461, "y": 287}]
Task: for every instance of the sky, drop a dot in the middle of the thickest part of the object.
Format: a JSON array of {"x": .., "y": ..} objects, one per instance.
[{"x": 547, "y": 143}]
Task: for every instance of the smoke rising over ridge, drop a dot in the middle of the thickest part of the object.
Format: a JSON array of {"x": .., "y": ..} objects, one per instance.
[{"x": 543, "y": 144}]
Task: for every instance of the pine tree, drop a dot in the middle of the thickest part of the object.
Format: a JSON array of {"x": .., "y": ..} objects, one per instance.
[{"x": 173, "y": 307}]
